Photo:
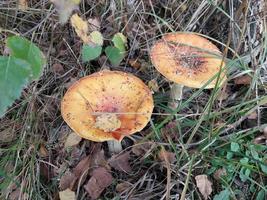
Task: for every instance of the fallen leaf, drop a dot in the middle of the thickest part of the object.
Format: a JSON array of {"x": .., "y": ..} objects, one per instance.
[
  {"x": 94, "y": 24},
  {"x": 153, "y": 85},
  {"x": 204, "y": 185},
  {"x": 99, "y": 160},
  {"x": 22, "y": 5},
  {"x": 219, "y": 173},
  {"x": 66, "y": 180},
  {"x": 65, "y": 8},
  {"x": 72, "y": 140},
  {"x": 121, "y": 187},
  {"x": 57, "y": 68},
  {"x": 67, "y": 195},
  {"x": 43, "y": 151},
  {"x": 81, "y": 27},
  {"x": 18, "y": 194},
  {"x": 96, "y": 37},
  {"x": 100, "y": 180},
  {"x": 121, "y": 162},
  {"x": 243, "y": 80},
  {"x": 166, "y": 155},
  {"x": 135, "y": 63},
  {"x": 7, "y": 135}
]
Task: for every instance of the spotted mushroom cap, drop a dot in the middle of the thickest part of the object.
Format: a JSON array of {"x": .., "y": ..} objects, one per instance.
[
  {"x": 188, "y": 59},
  {"x": 107, "y": 105}
]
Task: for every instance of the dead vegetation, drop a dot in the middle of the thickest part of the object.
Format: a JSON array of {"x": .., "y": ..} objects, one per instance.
[{"x": 183, "y": 155}]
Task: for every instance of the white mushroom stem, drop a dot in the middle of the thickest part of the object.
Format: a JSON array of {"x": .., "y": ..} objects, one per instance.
[
  {"x": 176, "y": 95},
  {"x": 114, "y": 146}
]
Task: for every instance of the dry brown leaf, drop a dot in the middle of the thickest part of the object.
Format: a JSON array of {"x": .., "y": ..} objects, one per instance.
[
  {"x": 7, "y": 135},
  {"x": 204, "y": 185},
  {"x": 94, "y": 24},
  {"x": 135, "y": 63},
  {"x": 219, "y": 173},
  {"x": 57, "y": 68},
  {"x": 243, "y": 80},
  {"x": 23, "y": 5},
  {"x": 153, "y": 85},
  {"x": 100, "y": 180},
  {"x": 121, "y": 187},
  {"x": 67, "y": 195},
  {"x": 121, "y": 162},
  {"x": 72, "y": 140},
  {"x": 166, "y": 155},
  {"x": 99, "y": 160},
  {"x": 81, "y": 27},
  {"x": 43, "y": 151},
  {"x": 66, "y": 180},
  {"x": 65, "y": 8}
]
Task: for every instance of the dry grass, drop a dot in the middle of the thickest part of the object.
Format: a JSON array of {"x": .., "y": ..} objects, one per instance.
[{"x": 200, "y": 134}]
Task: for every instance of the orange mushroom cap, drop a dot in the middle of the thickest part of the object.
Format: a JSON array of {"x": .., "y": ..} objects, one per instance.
[
  {"x": 107, "y": 105},
  {"x": 188, "y": 59}
]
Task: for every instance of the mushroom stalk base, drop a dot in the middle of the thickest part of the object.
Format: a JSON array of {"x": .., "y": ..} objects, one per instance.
[
  {"x": 114, "y": 146},
  {"x": 176, "y": 95}
]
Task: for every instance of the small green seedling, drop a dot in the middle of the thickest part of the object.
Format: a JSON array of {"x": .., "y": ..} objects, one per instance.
[{"x": 24, "y": 64}]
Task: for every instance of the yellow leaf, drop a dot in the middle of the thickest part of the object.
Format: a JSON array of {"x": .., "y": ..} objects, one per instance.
[
  {"x": 67, "y": 195},
  {"x": 81, "y": 27},
  {"x": 65, "y": 8},
  {"x": 96, "y": 37}
]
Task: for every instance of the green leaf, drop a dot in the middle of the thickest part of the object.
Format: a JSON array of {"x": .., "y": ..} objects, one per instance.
[
  {"x": 244, "y": 161},
  {"x": 261, "y": 195},
  {"x": 114, "y": 55},
  {"x": 264, "y": 168},
  {"x": 119, "y": 41},
  {"x": 14, "y": 75},
  {"x": 90, "y": 52},
  {"x": 223, "y": 195},
  {"x": 235, "y": 147},
  {"x": 96, "y": 37},
  {"x": 26, "y": 50}
]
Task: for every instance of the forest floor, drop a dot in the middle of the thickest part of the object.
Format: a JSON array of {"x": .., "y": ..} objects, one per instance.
[{"x": 213, "y": 147}]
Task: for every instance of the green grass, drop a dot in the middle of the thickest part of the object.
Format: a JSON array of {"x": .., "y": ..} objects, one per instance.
[{"x": 204, "y": 133}]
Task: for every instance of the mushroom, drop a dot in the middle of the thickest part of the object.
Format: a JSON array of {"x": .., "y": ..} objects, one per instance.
[
  {"x": 107, "y": 106},
  {"x": 189, "y": 60}
]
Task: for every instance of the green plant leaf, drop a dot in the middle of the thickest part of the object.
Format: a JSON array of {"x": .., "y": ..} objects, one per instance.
[
  {"x": 261, "y": 195},
  {"x": 14, "y": 75},
  {"x": 235, "y": 147},
  {"x": 119, "y": 41},
  {"x": 114, "y": 55},
  {"x": 223, "y": 195},
  {"x": 26, "y": 50},
  {"x": 264, "y": 168},
  {"x": 90, "y": 52}
]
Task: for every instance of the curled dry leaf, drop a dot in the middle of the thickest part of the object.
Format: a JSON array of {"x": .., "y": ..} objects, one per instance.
[
  {"x": 72, "y": 140},
  {"x": 67, "y": 195},
  {"x": 81, "y": 27},
  {"x": 121, "y": 162},
  {"x": 7, "y": 135},
  {"x": 43, "y": 151},
  {"x": 135, "y": 63},
  {"x": 243, "y": 80},
  {"x": 100, "y": 180},
  {"x": 65, "y": 8},
  {"x": 204, "y": 185}
]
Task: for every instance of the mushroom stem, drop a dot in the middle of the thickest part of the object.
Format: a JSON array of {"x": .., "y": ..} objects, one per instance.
[
  {"x": 176, "y": 95},
  {"x": 114, "y": 146}
]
